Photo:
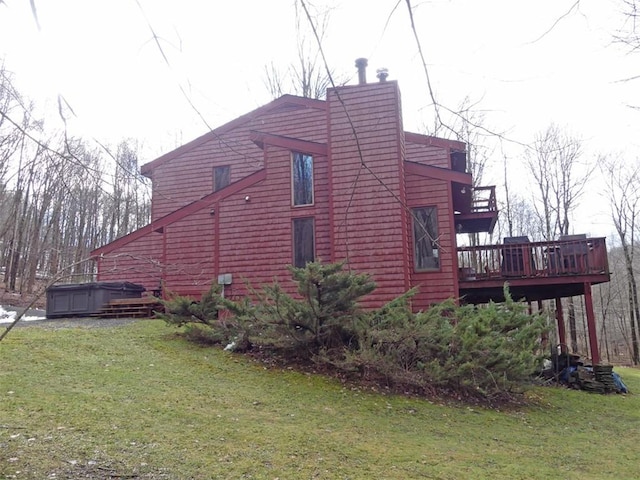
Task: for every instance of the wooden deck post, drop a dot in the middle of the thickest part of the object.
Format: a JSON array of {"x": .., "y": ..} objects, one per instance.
[
  {"x": 562, "y": 332},
  {"x": 591, "y": 325},
  {"x": 545, "y": 335}
]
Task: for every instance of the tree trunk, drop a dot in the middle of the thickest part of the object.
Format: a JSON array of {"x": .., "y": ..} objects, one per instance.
[{"x": 634, "y": 313}]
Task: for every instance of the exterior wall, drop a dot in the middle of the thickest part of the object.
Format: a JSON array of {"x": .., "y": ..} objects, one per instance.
[
  {"x": 438, "y": 285},
  {"x": 190, "y": 254},
  {"x": 137, "y": 262},
  {"x": 193, "y": 169},
  {"x": 255, "y": 236},
  {"x": 428, "y": 155},
  {"x": 360, "y": 203},
  {"x": 368, "y": 219},
  {"x": 190, "y": 176}
]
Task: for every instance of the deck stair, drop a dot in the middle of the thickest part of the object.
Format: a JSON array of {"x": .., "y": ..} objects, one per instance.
[{"x": 131, "y": 307}]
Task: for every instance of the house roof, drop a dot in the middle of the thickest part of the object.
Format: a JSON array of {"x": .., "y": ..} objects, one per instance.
[
  {"x": 438, "y": 173},
  {"x": 418, "y": 138},
  {"x": 282, "y": 103},
  {"x": 261, "y": 138}
]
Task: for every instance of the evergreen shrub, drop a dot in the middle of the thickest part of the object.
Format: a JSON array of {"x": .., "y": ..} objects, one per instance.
[{"x": 483, "y": 351}]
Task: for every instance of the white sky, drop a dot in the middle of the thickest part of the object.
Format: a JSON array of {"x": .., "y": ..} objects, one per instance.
[{"x": 101, "y": 56}]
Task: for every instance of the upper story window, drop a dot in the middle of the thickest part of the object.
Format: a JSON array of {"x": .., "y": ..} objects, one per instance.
[
  {"x": 302, "y": 179},
  {"x": 221, "y": 177},
  {"x": 426, "y": 249}
]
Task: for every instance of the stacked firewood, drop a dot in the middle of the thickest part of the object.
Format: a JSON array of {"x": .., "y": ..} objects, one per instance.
[{"x": 598, "y": 379}]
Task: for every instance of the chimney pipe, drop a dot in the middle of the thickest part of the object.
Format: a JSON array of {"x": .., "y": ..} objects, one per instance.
[
  {"x": 382, "y": 74},
  {"x": 361, "y": 63}
]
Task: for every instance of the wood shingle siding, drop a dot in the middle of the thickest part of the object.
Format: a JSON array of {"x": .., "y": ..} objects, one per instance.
[
  {"x": 434, "y": 286},
  {"x": 190, "y": 254},
  {"x": 140, "y": 261},
  {"x": 367, "y": 194},
  {"x": 363, "y": 190}
]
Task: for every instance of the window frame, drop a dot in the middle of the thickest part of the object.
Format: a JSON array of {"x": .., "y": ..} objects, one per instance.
[
  {"x": 311, "y": 192},
  {"x": 295, "y": 242},
  {"x": 418, "y": 265},
  {"x": 215, "y": 177}
]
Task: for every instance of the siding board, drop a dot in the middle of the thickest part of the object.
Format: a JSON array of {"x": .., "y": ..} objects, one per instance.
[
  {"x": 360, "y": 211},
  {"x": 367, "y": 209},
  {"x": 434, "y": 286}
]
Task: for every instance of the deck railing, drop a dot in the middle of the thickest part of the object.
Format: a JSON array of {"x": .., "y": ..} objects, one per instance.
[
  {"x": 484, "y": 199},
  {"x": 570, "y": 257}
]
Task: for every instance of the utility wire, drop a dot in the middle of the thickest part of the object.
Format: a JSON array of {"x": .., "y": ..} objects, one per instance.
[
  {"x": 156, "y": 40},
  {"x": 426, "y": 70},
  {"x": 363, "y": 164},
  {"x": 221, "y": 140},
  {"x": 437, "y": 106}
]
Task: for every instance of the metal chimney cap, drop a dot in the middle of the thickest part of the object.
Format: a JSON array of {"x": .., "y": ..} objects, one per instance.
[{"x": 382, "y": 74}]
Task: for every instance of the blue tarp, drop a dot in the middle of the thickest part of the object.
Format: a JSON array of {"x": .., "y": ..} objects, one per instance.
[{"x": 619, "y": 383}]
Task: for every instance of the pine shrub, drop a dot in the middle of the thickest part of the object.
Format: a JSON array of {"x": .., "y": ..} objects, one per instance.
[
  {"x": 485, "y": 351},
  {"x": 202, "y": 320},
  {"x": 482, "y": 351}
]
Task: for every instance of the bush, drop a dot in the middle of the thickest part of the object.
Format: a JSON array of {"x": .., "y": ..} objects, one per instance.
[
  {"x": 481, "y": 351},
  {"x": 201, "y": 319},
  {"x": 325, "y": 316}
]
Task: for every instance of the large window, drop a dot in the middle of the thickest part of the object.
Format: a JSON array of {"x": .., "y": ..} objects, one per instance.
[
  {"x": 302, "y": 179},
  {"x": 221, "y": 177},
  {"x": 303, "y": 241},
  {"x": 425, "y": 238}
]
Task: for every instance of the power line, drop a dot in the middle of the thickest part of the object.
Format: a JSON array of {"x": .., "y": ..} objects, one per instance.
[{"x": 363, "y": 164}]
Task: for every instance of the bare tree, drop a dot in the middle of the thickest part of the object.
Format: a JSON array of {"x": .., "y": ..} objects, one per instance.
[
  {"x": 518, "y": 218},
  {"x": 57, "y": 202},
  {"x": 560, "y": 175},
  {"x": 629, "y": 33},
  {"x": 307, "y": 76},
  {"x": 10, "y": 134},
  {"x": 129, "y": 194},
  {"x": 624, "y": 200}
]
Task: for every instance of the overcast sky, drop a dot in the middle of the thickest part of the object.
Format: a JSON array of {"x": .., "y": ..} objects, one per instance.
[{"x": 526, "y": 64}]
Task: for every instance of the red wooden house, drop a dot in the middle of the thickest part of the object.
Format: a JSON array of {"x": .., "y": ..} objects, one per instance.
[{"x": 336, "y": 179}]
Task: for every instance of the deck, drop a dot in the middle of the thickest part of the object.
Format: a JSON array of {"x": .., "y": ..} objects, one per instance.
[
  {"x": 143, "y": 307},
  {"x": 533, "y": 270},
  {"x": 477, "y": 209}
]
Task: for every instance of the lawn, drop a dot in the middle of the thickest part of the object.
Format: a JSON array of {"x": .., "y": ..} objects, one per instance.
[{"x": 137, "y": 401}]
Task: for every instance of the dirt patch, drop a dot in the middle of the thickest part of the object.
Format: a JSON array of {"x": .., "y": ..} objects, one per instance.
[{"x": 22, "y": 300}]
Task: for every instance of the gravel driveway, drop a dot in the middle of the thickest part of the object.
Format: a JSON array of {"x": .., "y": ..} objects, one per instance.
[
  {"x": 53, "y": 323},
  {"x": 83, "y": 322}
]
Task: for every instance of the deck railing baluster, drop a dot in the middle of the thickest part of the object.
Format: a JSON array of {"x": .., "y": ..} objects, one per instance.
[{"x": 534, "y": 259}]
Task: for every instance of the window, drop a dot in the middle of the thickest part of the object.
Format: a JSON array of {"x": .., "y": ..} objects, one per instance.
[
  {"x": 302, "y": 179},
  {"x": 425, "y": 235},
  {"x": 221, "y": 177},
  {"x": 303, "y": 241}
]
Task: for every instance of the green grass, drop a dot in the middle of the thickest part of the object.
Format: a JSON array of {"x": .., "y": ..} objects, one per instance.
[{"x": 137, "y": 401}]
